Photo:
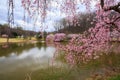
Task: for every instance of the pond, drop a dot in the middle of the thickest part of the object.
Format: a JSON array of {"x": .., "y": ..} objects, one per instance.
[
  {"x": 36, "y": 61},
  {"x": 22, "y": 58}
]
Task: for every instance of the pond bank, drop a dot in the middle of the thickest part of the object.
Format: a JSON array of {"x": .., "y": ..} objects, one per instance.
[{"x": 18, "y": 40}]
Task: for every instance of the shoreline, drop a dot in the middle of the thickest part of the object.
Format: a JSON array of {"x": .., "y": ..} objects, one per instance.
[{"x": 17, "y": 40}]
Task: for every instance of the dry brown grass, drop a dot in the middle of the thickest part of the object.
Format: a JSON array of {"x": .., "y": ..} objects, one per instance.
[{"x": 16, "y": 40}]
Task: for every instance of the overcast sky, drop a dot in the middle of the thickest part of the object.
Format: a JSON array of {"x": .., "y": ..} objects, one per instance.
[{"x": 53, "y": 15}]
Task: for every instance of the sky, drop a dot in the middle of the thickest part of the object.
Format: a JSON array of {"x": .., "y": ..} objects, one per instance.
[{"x": 53, "y": 15}]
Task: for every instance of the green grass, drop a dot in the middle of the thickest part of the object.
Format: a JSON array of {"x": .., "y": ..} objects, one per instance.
[
  {"x": 62, "y": 73},
  {"x": 53, "y": 74},
  {"x": 115, "y": 78}
]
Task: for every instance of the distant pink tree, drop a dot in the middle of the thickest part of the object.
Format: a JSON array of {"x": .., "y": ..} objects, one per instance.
[
  {"x": 59, "y": 37},
  {"x": 70, "y": 36},
  {"x": 50, "y": 38}
]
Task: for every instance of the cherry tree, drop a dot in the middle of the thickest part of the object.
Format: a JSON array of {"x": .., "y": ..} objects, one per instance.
[
  {"x": 37, "y": 8},
  {"x": 97, "y": 39},
  {"x": 94, "y": 41}
]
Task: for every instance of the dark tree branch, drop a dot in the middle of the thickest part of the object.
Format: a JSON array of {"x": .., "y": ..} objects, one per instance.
[
  {"x": 102, "y": 3},
  {"x": 115, "y": 7},
  {"x": 116, "y": 19}
]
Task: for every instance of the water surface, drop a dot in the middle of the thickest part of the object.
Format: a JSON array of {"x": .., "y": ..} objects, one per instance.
[{"x": 22, "y": 58}]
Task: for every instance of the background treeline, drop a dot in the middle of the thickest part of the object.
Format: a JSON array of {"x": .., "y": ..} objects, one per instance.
[
  {"x": 15, "y": 32},
  {"x": 85, "y": 21}
]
